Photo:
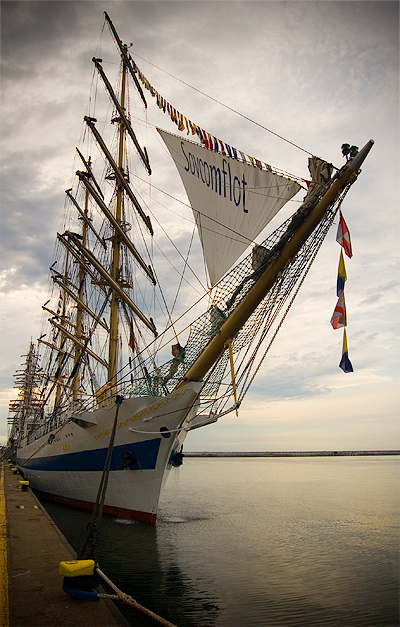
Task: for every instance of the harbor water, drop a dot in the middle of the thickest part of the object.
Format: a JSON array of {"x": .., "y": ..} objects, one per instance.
[{"x": 260, "y": 542}]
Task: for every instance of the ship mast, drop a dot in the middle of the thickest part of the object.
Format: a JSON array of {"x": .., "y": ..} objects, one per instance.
[
  {"x": 116, "y": 246},
  {"x": 81, "y": 289},
  {"x": 28, "y": 383},
  {"x": 59, "y": 386}
]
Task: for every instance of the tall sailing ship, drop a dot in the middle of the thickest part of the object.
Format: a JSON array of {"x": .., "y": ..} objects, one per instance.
[{"x": 95, "y": 384}]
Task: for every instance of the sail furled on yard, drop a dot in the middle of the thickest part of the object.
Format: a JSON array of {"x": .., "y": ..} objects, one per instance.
[{"x": 232, "y": 201}]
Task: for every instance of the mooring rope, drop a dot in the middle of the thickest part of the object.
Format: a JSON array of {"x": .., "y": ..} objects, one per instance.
[
  {"x": 126, "y": 598},
  {"x": 89, "y": 545}
]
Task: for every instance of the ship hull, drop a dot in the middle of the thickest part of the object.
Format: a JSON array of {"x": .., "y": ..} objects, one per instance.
[{"x": 66, "y": 463}]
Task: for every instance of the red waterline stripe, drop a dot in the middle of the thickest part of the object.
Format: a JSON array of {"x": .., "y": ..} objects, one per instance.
[{"x": 118, "y": 512}]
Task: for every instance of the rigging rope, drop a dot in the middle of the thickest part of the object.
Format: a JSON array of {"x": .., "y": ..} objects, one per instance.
[
  {"x": 226, "y": 106},
  {"x": 245, "y": 388},
  {"x": 247, "y": 382},
  {"x": 182, "y": 274}
]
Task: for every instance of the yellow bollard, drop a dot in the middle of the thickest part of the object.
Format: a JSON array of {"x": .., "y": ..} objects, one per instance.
[
  {"x": 80, "y": 579},
  {"x": 24, "y": 485},
  {"x": 76, "y": 568}
]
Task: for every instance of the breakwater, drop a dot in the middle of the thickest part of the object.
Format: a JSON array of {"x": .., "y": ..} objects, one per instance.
[{"x": 287, "y": 453}]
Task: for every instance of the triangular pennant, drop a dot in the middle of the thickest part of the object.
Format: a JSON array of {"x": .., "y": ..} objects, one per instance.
[
  {"x": 343, "y": 236},
  {"x": 342, "y": 276},
  {"x": 339, "y": 318},
  {"x": 345, "y": 363}
]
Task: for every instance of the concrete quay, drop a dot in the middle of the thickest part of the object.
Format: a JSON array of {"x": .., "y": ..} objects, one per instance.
[{"x": 31, "y": 549}]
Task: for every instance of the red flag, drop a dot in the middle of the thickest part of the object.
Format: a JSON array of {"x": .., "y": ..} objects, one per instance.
[
  {"x": 339, "y": 318},
  {"x": 132, "y": 342},
  {"x": 343, "y": 236}
]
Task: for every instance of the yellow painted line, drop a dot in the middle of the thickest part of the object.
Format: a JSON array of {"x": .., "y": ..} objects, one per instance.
[{"x": 4, "y": 613}]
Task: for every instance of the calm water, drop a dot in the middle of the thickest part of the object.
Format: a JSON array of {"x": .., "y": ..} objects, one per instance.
[{"x": 261, "y": 542}]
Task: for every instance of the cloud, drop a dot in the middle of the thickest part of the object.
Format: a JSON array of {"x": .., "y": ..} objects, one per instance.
[
  {"x": 346, "y": 421},
  {"x": 317, "y": 73}
]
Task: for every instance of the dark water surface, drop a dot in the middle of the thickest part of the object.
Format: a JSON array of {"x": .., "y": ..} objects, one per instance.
[{"x": 261, "y": 542}]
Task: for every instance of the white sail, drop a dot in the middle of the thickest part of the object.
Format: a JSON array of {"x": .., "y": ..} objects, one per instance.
[{"x": 232, "y": 201}]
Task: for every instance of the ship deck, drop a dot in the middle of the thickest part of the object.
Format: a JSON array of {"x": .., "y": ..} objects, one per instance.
[{"x": 31, "y": 548}]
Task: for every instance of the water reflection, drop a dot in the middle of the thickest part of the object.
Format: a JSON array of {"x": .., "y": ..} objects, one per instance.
[
  {"x": 261, "y": 543},
  {"x": 139, "y": 559}
]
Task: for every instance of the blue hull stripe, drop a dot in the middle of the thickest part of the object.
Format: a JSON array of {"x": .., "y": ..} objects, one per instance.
[{"x": 143, "y": 455}]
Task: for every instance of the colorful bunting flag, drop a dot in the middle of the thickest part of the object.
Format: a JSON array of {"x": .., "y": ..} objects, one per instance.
[
  {"x": 345, "y": 363},
  {"x": 339, "y": 319},
  {"x": 342, "y": 276},
  {"x": 343, "y": 236},
  {"x": 183, "y": 123}
]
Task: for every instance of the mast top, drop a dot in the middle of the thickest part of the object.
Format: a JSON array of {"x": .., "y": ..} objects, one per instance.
[
  {"x": 356, "y": 162},
  {"x": 126, "y": 59}
]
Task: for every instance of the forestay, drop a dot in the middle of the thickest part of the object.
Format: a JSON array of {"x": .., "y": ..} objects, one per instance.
[{"x": 232, "y": 201}]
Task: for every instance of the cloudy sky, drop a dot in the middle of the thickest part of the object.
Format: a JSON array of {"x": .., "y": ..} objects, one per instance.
[{"x": 316, "y": 73}]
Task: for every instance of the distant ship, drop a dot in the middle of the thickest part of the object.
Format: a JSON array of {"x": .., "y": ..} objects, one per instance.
[{"x": 96, "y": 374}]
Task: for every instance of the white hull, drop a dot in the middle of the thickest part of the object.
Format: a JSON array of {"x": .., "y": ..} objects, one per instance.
[{"x": 66, "y": 464}]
